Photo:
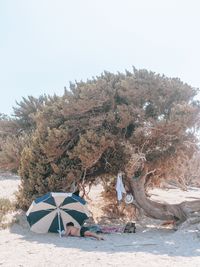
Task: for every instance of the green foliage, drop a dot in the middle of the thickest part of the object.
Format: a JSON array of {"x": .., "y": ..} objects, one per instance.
[
  {"x": 105, "y": 125},
  {"x": 3, "y": 117},
  {"x": 10, "y": 153},
  {"x": 11, "y": 143},
  {"x": 15, "y": 131},
  {"x": 26, "y": 109}
]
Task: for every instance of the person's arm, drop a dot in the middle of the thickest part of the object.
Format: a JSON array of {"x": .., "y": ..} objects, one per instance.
[{"x": 91, "y": 234}]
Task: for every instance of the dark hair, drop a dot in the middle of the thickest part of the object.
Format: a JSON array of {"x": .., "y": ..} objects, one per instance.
[
  {"x": 70, "y": 224},
  {"x": 77, "y": 193}
]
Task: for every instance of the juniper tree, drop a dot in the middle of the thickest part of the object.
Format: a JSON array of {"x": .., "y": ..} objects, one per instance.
[{"x": 140, "y": 123}]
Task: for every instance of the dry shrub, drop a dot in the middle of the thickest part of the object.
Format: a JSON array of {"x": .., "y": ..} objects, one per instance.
[
  {"x": 5, "y": 206},
  {"x": 115, "y": 210}
]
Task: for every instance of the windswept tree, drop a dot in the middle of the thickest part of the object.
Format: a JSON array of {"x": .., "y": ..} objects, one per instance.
[
  {"x": 15, "y": 131},
  {"x": 26, "y": 109},
  {"x": 140, "y": 123}
]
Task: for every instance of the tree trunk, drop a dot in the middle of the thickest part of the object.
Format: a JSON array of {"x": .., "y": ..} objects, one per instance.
[{"x": 179, "y": 213}]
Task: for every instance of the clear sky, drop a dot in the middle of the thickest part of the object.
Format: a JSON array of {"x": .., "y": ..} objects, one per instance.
[{"x": 44, "y": 44}]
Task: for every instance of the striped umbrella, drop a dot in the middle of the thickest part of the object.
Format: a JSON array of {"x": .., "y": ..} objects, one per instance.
[{"x": 51, "y": 212}]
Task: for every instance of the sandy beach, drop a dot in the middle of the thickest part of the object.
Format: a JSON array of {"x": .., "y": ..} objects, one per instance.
[{"x": 151, "y": 245}]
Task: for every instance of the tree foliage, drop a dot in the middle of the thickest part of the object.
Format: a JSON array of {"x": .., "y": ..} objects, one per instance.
[
  {"x": 114, "y": 122},
  {"x": 15, "y": 131}
]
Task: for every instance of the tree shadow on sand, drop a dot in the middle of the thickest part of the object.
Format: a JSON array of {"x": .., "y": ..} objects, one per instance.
[{"x": 146, "y": 239}]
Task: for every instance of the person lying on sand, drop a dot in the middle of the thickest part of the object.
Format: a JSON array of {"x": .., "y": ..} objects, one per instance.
[{"x": 71, "y": 230}]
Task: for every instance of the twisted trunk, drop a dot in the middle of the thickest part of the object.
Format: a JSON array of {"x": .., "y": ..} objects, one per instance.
[{"x": 179, "y": 213}]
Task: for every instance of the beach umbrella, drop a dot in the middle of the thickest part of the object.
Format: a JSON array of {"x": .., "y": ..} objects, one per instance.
[{"x": 51, "y": 212}]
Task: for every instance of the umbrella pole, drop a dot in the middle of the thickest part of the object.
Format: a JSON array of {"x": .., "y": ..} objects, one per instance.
[{"x": 59, "y": 222}]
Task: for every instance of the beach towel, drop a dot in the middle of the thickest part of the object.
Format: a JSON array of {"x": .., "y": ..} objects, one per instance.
[
  {"x": 112, "y": 229},
  {"x": 106, "y": 229}
]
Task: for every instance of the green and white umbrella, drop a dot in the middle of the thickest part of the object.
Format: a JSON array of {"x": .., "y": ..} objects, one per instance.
[{"x": 51, "y": 212}]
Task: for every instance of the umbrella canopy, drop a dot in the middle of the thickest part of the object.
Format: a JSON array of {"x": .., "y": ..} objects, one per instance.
[{"x": 51, "y": 212}]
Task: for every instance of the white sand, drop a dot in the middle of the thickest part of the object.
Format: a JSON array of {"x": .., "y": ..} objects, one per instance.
[
  {"x": 150, "y": 246},
  {"x": 8, "y": 185}
]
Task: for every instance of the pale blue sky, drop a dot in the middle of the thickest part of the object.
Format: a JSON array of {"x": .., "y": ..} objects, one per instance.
[{"x": 47, "y": 43}]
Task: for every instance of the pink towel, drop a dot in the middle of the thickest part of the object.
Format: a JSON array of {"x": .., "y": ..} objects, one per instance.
[{"x": 112, "y": 229}]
